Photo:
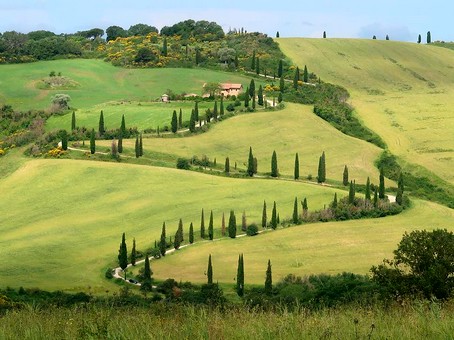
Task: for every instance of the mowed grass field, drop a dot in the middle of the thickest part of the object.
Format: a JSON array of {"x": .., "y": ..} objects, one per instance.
[
  {"x": 332, "y": 248},
  {"x": 294, "y": 129},
  {"x": 61, "y": 220},
  {"x": 402, "y": 91},
  {"x": 101, "y": 82}
]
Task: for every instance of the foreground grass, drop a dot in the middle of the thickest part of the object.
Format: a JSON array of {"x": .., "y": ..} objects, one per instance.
[
  {"x": 412, "y": 321},
  {"x": 402, "y": 91}
]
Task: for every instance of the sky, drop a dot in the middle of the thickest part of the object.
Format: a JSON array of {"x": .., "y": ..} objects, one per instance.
[{"x": 400, "y": 19}]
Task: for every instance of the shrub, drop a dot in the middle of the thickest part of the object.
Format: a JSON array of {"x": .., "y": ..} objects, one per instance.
[
  {"x": 183, "y": 163},
  {"x": 108, "y": 273},
  {"x": 252, "y": 230}
]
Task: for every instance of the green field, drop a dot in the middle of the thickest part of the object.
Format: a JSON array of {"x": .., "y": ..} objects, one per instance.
[
  {"x": 294, "y": 129},
  {"x": 61, "y": 220},
  {"x": 101, "y": 82},
  {"x": 402, "y": 91}
]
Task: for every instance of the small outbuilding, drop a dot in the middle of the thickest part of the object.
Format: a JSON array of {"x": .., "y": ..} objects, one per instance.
[{"x": 165, "y": 98}]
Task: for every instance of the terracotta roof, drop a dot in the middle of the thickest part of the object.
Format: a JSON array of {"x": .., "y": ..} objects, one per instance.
[{"x": 226, "y": 86}]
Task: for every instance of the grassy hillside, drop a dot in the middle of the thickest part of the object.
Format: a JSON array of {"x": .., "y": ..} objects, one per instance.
[
  {"x": 101, "y": 82},
  {"x": 402, "y": 91},
  {"x": 294, "y": 129},
  {"x": 61, "y": 220}
]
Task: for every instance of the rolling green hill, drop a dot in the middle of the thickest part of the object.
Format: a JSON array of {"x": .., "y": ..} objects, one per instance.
[{"x": 402, "y": 91}]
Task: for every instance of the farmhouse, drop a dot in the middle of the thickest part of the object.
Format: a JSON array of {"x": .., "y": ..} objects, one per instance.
[{"x": 228, "y": 89}]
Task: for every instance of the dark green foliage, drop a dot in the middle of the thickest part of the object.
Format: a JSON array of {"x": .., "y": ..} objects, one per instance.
[
  {"x": 252, "y": 230},
  {"x": 232, "y": 225},
  {"x": 243, "y": 222},
  {"x": 114, "y": 149},
  {"x": 223, "y": 225},
  {"x": 321, "y": 177},
  {"x": 419, "y": 38},
  {"x": 277, "y": 34},
  {"x": 209, "y": 271},
  {"x": 367, "y": 195},
  {"x": 274, "y": 168},
  {"x": 279, "y": 97},
  {"x": 374, "y": 37},
  {"x": 191, "y": 233},
  {"x": 381, "y": 187},
  {"x": 345, "y": 176},
  {"x": 305, "y": 74},
  {"x": 210, "y": 227},
  {"x": 147, "y": 273},
  {"x": 180, "y": 230},
  {"x": 387, "y": 37},
  {"x": 423, "y": 264},
  {"x": 273, "y": 222},
  {"x": 399, "y": 196},
  {"x": 264, "y": 218},
  {"x": 255, "y": 165},
  {"x": 133, "y": 256},
  {"x": 196, "y": 111},
  {"x": 123, "y": 254},
  {"x": 253, "y": 102},
  {"x": 400, "y": 182},
  {"x": 324, "y": 34},
  {"x": 305, "y": 207},
  {"x": 145, "y": 55},
  {"x": 174, "y": 123},
  {"x": 114, "y": 32},
  {"x": 334, "y": 204},
  {"x": 163, "y": 240},
  {"x": 280, "y": 69},
  {"x": 164, "y": 47},
  {"x": 296, "y": 78},
  {"x": 202, "y": 225},
  {"x": 246, "y": 97},
  {"x": 177, "y": 240},
  {"x": 183, "y": 163},
  {"x": 252, "y": 88},
  {"x": 221, "y": 107},
  {"x": 73, "y": 121},
  {"x": 429, "y": 37},
  {"x": 192, "y": 121},
  {"x": 92, "y": 142},
  {"x": 198, "y": 56},
  {"x": 120, "y": 143},
  {"x": 295, "y": 218},
  {"x": 227, "y": 165},
  {"x": 64, "y": 140},
  {"x": 250, "y": 163},
  {"x": 260, "y": 96},
  {"x": 257, "y": 65},
  {"x": 268, "y": 279},
  {"x": 180, "y": 119},
  {"x": 240, "y": 276},
  {"x": 136, "y": 147},
  {"x": 140, "y": 145},
  {"x": 351, "y": 193},
  {"x": 296, "y": 172},
  {"x": 253, "y": 61},
  {"x": 101, "y": 127},
  {"x": 281, "y": 85},
  {"x": 375, "y": 198},
  {"x": 123, "y": 127}
]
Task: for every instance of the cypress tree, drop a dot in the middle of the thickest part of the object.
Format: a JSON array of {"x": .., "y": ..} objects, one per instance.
[
  {"x": 164, "y": 47},
  {"x": 305, "y": 207},
  {"x": 140, "y": 145},
  {"x": 120, "y": 142},
  {"x": 252, "y": 89},
  {"x": 202, "y": 226},
  {"x": 221, "y": 107},
  {"x": 174, "y": 123},
  {"x": 64, "y": 140},
  {"x": 296, "y": 78},
  {"x": 223, "y": 225},
  {"x": 198, "y": 57},
  {"x": 210, "y": 271},
  {"x": 163, "y": 240},
  {"x": 133, "y": 252},
  {"x": 345, "y": 176},
  {"x": 429, "y": 37},
  {"x": 419, "y": 38},
  {"x": 400, "y": 182},
  {"x": 324, "y": 34},
  {"x": 123, "y": 254},
  {"x": 277, "y": 34},
  {"x": 305, "y": 74},
  {"x": 399, "y": 196},
  {"x": 246, "y": 98},
  {"x": 196, "y": 111},
  {"x": 281, "y": 84},
  {"x": 264, "y": 218},
  {"x": 243, "y": 221},
  {"x": 227, "y": 165},
  {"x": 215, "y": 110},
  {"x": 321, "y": 169},
  {"x": 351, "y": 193},
  {"x": 273, "y": 222},
  {"x": 191, "y": 233},
  {"x": 177, "y": 241},
  {"x": 180, "y": 230},
  {"x": 260, "y": 96},
  {"x": 335, "y": 201},
  {"x": 146, "y": 284},
  {"x": 295, "y": 211},
  {"x": 136, "y": 147},
  {"x": 123, "y": 126},
  {"x": 240, "y": 276},
  {"x": 236, "y": 61},
  {"x": 367, "y": 195},
  {"x": 210, "y": 227},
  {"x": 180, "y": 119},
  {"x": 92, "y": 142},
  {"x": 250, "y": 163},
  {"x": 280, "y": 68},
  {"x": 253, "y": 102},
  {"x": 381, "y": 187},
  {"x": 101, "y": 128},
  {"x": 375, "y": 198},
  {"x": 274, "y": 169},
  {"x": 253, "y": 61},
  {"x": 255, "y": 165},
  {"x": 279, "y": 97},
  {"x": 232, "y": 225},
  {"x": 278, "y": 219},
  {"x": 192, "y": 121},
  {"x": 268, "y": 280},
  {"x": 296, "y": 172},
  {"x": 73, "y": 121},
  {"x": 387, "y": 37},
  {"x": 374, "y": 37}
]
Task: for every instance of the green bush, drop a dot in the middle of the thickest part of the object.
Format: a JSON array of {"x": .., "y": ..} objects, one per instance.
[
  {"x": 252, "y": 230},
  {"x": 183, "y": 163}
]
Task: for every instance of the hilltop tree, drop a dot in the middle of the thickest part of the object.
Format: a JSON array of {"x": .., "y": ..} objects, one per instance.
[
  {"x": 191, "y": 233},
  {"x": 280, "y": 68},
  {"x": 250, "y": 163},
  {"x": 210, "y": 227},
  {"x": 351, "y": 193},
  {"x": 140, "y": 145},
  {"x": 101, "y": 127},
  {"x": 374, "y": 37},
  {"x": 180, "y": 119},
  {"x": 264, "y": 218},
  {"x": 164, "y": 47},
  {"x": 273, "y": 221},
  {"x": 381, "y": 186},
  {"x": 136, "y": 147},
  {"x": 321, "y": 169},
  {"x": 221, "y": 107},
  {"x": 92, "y": 142},
  {"x": 305, "y": 74},
  {"x": 345, "y": 176},
  {"x": 387, "y": 37},
  {"x": 295, "y": 219},
  {"x": 123, "y": 127},
  {"x": 232, "y": 225},
  {"x": 277, "y": 34},
  {"x": 429, "y": 37},
  {"x": 133, "y": 256},
  {"x": 64, "y": 140},
  {"x": 223, "y": 225},
  {"x": 240, "y": 276},
  {"x": 243, "y": 221},
  {"x": 281, "y": 85},
  {"x": 268, "y": 279},
  {"x": 260, "y": 96},
  {"x": 120, "y": 142},
  {"x": 174, "y": 123},
  {"x": 274, "y": 169},
  {"x": 367, "y": 195},
  {"x": 296, "y": 172},
  {"x": 209, "y": 271},
  {"x": 227, "y": 165},
  {"x": 73, "y": 121},
  {"x": 324, "y": 34},
  {"x": 202, "y": 226},
  {"x": 147, "y": 273},
  {"x": 123, "y": 254},
  {"x": 163, "y": 240},
  {"x": 419, "y": 38},
  {"x": 114, "y": 32},
  {"x": 296, "y": 78},
  {"x": 253, "y": 61}
]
